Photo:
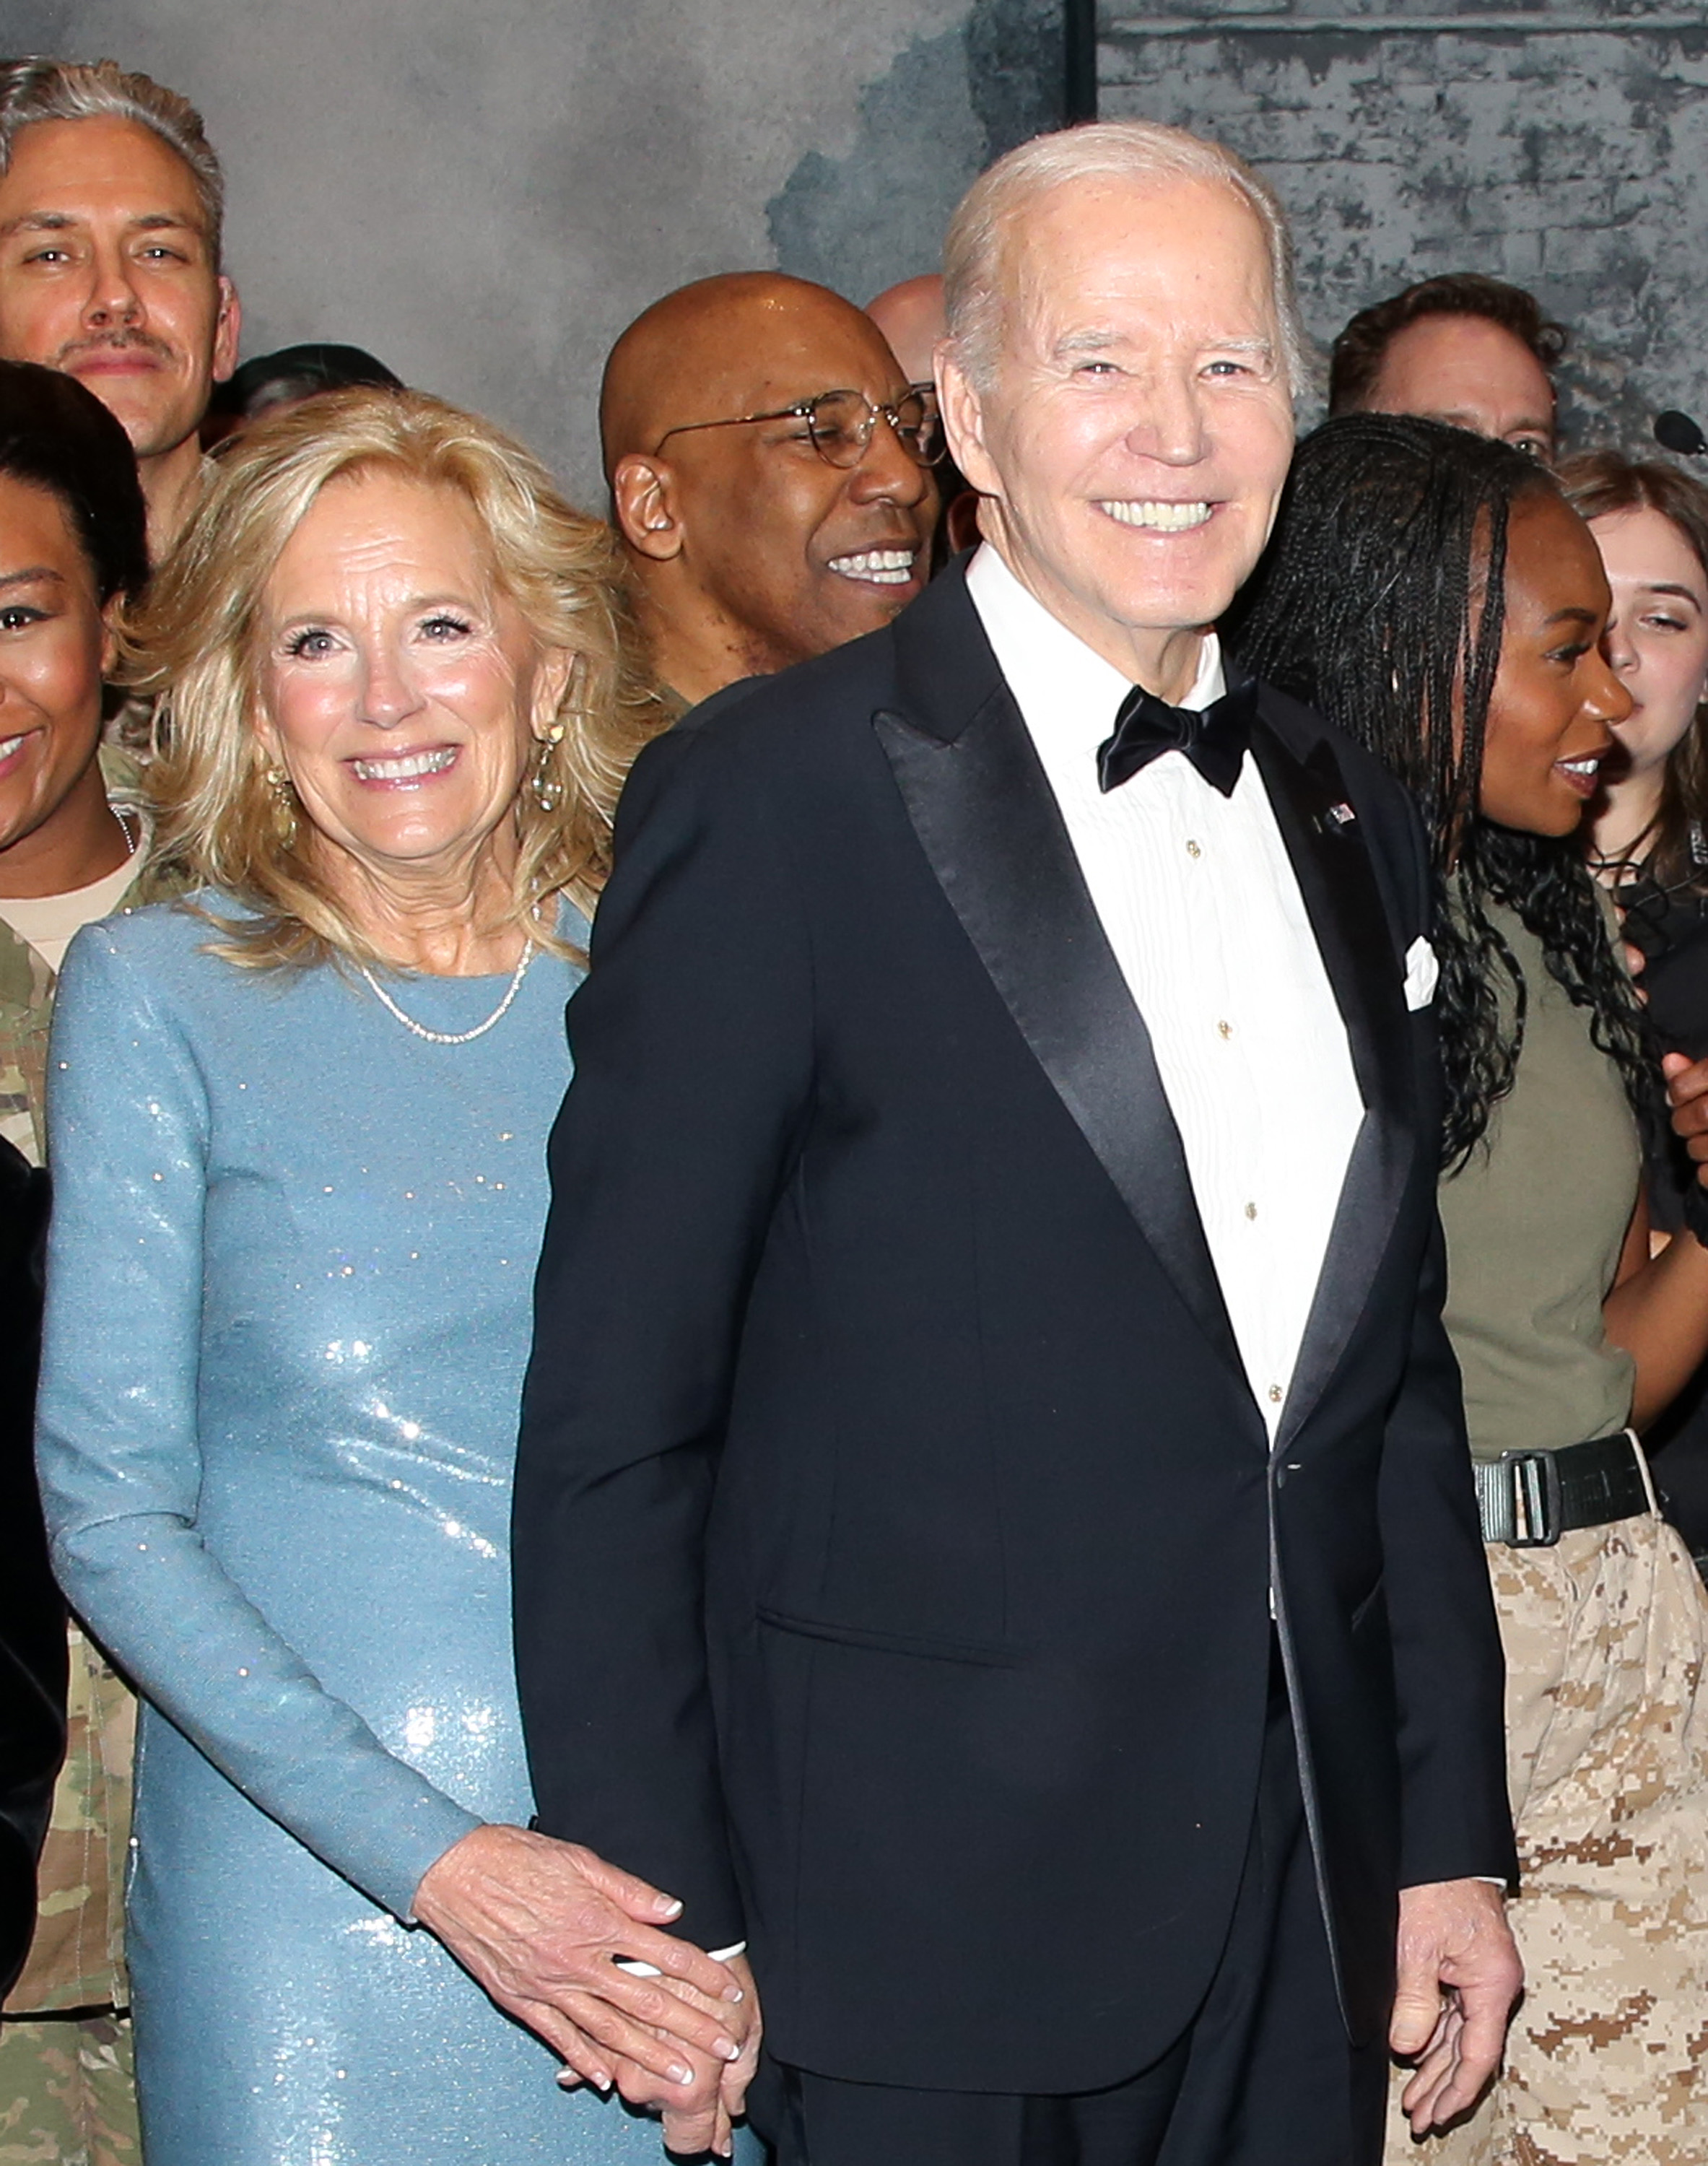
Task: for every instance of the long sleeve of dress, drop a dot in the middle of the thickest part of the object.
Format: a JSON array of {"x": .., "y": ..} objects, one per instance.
[{"x": 121, "y": 1459}]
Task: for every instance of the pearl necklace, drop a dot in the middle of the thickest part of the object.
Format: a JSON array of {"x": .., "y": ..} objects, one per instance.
[{"x": 453, "y": 1036}]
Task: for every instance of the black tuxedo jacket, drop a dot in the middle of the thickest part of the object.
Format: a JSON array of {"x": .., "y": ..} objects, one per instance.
[{"x": 895, "y": 1526}]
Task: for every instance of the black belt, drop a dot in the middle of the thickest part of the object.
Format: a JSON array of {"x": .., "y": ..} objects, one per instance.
[{"x": 1529, "y": 1499}]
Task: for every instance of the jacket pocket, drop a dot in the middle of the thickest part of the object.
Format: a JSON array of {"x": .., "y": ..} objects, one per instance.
[
  {"x": 980, "y": 1654},
  {"x": 1366, "y": 1608}
]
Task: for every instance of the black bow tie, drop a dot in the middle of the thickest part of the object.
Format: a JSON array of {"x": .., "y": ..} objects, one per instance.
[{"x": 1146, "y": 727}]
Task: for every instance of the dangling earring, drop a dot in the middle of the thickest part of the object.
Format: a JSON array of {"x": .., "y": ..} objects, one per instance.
[
  {"x": 546, "y": 782},
  {"x": 284, "y": 798}
]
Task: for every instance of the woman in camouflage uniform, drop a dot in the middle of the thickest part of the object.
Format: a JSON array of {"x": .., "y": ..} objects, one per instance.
[{"x": 73, "y": 844}]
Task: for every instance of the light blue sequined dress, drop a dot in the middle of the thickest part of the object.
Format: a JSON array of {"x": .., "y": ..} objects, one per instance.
[{"x": 291, "y": 1266}]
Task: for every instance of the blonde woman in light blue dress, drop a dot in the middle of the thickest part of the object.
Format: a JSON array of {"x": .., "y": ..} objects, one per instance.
[{"x": 298, "y": 1128}]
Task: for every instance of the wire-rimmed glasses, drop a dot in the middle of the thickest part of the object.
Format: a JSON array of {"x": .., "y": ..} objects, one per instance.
[{"x": 840, "y": 423}]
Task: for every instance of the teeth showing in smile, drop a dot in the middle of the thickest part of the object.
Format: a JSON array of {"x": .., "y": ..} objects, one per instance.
[
  {"x": 1160, "y": 518},
  {"x": 1589, "y": 766},
  {"x": 9, "y": 745},
  {"x": 884, "y": 568},
  {"x": 407, "y": 767}
]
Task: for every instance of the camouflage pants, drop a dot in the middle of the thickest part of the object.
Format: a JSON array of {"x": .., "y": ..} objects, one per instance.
[
  {"x": 1607, "y": 1639},
  {"x": 67, "y": 2092}
]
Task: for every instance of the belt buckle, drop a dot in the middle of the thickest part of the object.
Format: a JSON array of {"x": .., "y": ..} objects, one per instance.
[{"x": 1536, "y": 1501}]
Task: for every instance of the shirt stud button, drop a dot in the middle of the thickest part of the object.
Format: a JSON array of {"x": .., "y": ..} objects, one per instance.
[
  {"x": 1192, "y": 850},
  {"x": 1251, "y": 1211},
  {"x": 1275, "y": 1395},
  {"x": 1226, "y": 1029}
]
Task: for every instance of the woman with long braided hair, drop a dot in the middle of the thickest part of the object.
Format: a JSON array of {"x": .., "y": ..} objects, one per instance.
[{"x": 1432, "y": 594}]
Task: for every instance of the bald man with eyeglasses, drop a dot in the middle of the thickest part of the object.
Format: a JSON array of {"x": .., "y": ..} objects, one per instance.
[{"x": 770, "y": 469}]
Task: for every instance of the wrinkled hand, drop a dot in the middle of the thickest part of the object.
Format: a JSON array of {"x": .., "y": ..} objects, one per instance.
[
  {"x": 1458, "y": 1977},
  {"x": 738, "y": 2074},
  {"x": 1687, "y": 1087},
  {"x": 692, "y": 2123},
  {"x": 540, "y": 1925}
]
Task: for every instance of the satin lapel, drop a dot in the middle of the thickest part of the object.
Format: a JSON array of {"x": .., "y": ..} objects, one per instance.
[
  {"x": 1347, "y": 916},
  {"x": 988, "y": 821}
]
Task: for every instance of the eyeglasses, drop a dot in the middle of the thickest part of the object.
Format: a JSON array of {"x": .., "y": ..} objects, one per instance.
[{"x": 840, "y": 424}]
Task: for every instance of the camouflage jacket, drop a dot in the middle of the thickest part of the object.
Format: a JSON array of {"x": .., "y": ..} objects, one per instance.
[
  {"x": 77, "y": 1959},
  {"x": 27, "y": 991},
  {"x": 26, "y": 1008}
]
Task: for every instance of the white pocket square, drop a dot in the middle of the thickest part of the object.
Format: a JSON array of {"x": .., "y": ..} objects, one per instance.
[{"x": 1421, "y": 971}]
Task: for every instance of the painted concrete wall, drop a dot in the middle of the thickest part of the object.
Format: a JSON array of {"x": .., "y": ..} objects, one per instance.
[
  {"x": 484, "y": 191},
  {"x": 1564, "y": 145}
]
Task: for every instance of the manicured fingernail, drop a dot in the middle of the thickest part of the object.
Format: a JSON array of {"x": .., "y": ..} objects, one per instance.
[
  {"x": 733, "y": 1994},
  {"x": 726, "y": 2049},
  {"x": 668, "y": 1906},
  {"x": 678, "y": 2075}
]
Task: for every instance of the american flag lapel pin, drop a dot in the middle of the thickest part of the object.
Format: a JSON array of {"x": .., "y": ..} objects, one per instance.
[{"x": 1342, "y": 816}]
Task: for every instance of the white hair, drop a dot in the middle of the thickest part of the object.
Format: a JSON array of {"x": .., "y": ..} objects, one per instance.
[{"x": 1143, "y": 150}]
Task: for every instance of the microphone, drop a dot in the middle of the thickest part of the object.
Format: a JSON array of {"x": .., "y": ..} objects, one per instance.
[{"x": 1678, "y": 432}]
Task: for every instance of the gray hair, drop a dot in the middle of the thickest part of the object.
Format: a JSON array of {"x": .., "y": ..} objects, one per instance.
[
  {"x": 39, "y": 89},
  {"x": 1124, "y": 150}
]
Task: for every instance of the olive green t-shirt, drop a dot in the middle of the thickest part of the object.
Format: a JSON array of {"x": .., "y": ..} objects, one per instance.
[{"x": 1535, "y": 1222}]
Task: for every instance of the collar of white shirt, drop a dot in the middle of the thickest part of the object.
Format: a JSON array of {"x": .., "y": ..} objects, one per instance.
[{"x": 1059, "y": 683}]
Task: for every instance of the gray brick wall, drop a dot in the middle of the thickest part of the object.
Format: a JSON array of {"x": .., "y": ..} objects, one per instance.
[{"x": 1564, "y": 145}]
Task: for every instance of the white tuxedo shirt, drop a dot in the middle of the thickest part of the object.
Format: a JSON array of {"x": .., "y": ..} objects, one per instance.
[{"x": 1197, "y": 897}]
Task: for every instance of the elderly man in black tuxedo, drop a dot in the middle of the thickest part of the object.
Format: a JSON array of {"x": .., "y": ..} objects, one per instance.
[{"x": 994, "y": 1531}]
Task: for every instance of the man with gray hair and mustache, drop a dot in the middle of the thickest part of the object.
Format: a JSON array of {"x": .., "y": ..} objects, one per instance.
[
  {"x": 992, "y": 1524},
  {"x": 111, "y": 203}
]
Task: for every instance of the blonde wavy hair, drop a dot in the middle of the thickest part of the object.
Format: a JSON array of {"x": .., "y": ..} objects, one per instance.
[{"x": 194, "y": 642}]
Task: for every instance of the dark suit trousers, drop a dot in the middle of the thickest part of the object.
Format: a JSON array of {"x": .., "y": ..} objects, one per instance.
[{"x": 1264, "y": 2076}]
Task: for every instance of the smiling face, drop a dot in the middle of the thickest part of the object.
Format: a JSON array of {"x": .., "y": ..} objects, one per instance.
[
  {"x": 401, "y": 688},
  {"x": 1472, "y": 374},
  {"x": 53, "y": 646},
  {"x": 1657, "y": 641},
  {"x": 53, "y": 653},
  {"x": 105, "y": 272},
  {"x": 1137, "y": 429},
  {"x": 753, "y": 551},
  {"x": 1555, "y": 697}
]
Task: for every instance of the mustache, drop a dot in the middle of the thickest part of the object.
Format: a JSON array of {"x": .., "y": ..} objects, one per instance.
[{"x": 130, "y": 342}]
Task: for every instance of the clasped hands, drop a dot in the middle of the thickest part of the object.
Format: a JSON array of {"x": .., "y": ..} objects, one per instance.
[{"x": 545, "y": 1928}]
